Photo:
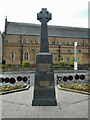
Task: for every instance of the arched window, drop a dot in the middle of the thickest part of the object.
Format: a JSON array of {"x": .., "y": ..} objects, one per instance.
[
  {"x": 79, "y": 50},
  {"x": 13, "y": 56},
  {"x": 69, "y": 50},
  {"x": 26, "y": 55},
  {"x": 25, "y": 41},
  {"x": 68, "y": 59}
]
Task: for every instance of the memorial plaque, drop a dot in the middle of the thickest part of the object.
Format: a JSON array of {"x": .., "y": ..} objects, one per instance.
[{"x": 44, "y": 85}]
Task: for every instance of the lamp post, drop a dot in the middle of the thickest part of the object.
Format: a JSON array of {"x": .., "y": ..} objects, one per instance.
[
  {"x": 21, "y": 50},
  {"x": 59, "y": 56},
  {"x": 21, "y": 55},
  {"x": 75, "y": 57}
]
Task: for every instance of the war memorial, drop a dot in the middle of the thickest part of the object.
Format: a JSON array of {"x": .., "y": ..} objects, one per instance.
[
  {"x": 48, "y": 101},
  {"x": 44, "y": 89}
]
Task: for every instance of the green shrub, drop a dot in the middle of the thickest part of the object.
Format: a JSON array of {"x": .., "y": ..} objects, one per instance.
[
  {"x": 59, "y": 65},
  {"x": 25, "y": 64},
  {"x": 6, "y": 66}
]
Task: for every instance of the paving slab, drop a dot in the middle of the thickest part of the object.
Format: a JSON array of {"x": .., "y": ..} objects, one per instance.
[{"x": 70, "y": 105}]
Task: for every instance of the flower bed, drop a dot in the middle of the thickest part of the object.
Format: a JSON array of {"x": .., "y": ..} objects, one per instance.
[
  {"x": 11, "y": 87},
  {"x": 80, "y": 87}
]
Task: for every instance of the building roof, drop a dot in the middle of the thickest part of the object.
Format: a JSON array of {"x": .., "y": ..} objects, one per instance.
[{"x": 34, "y": 29}]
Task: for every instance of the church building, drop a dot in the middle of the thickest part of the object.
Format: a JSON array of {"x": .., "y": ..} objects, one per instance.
[{"x": 21, "y": 42}]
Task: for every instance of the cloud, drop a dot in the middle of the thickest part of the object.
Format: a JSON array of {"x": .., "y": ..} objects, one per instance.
[
  {"x": 64, "y": 12},
  {"x": 81, "y": 14}
]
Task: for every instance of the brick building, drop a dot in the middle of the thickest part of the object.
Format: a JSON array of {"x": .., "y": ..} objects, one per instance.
[{"x": 22, "y": 43}]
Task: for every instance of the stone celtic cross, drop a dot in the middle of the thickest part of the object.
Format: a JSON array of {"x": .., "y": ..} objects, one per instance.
[
  {"x": 44, "y": 85},
  {"x": 44, "y": 16}
]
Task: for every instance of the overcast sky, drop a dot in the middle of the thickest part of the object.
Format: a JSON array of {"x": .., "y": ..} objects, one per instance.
[{"x": 64, "y": 12}]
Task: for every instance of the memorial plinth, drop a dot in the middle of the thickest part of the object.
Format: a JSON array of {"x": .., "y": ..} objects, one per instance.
[{"x": 44, "y": 85}]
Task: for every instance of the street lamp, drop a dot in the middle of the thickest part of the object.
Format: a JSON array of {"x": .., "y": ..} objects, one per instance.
[
  {"x": 59, "y": 56},
  {"x": 75, "y": 57},
  {"x": 21, "y": 55}
]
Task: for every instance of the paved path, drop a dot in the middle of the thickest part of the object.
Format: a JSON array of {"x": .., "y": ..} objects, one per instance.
[{"x": 70, "y": 105}]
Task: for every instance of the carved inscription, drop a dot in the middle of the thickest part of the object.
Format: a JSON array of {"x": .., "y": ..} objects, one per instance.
[
  {"x": 44, "y": 83},
  {"x": 44, "y": 67}
]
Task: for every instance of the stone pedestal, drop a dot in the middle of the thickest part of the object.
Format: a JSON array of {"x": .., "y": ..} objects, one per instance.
[{"x": 44, "y": 88}]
